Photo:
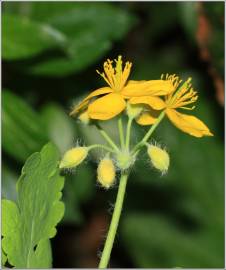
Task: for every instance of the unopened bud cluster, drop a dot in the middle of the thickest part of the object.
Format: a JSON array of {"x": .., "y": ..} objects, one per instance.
[
  {"x": 106, "y": 171},
  {"x": 123, "y": 160}
]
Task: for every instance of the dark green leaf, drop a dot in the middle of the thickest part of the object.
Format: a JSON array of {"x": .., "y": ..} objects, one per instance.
[
  {"x": 86, "y": 35},
  {"x": 153, "y": 241},
  {"x": 8, "y": 183},
  {"x": 23, "y": 131},
  {"x": 24, "y": 38},
  {"x": 60, "y": 127}
]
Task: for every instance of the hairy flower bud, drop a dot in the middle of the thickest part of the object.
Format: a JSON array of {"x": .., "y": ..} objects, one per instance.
[
  {"x": 73, "y": 157},
  {"x": 133, "y": 110},
  {"x": 159, "y": 158},
  {"x": 84, "y": 117},
  {"x": 106, "y": 172}
]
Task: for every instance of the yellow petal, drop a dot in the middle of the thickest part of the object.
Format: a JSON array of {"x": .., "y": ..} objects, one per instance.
[
  {"x": 146, "y": 88},
  {"x": 188, "y": 123},
  {"x": 147, "y": 118},
  {"x": 107, "y": 107},
  {"x": 84, "y": 103},
  {"x": 154, "y": 102}
]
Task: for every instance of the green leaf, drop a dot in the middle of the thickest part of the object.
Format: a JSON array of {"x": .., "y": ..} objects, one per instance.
[
  {"x": 8, "y": 183},
  {"x": 28, "y": 224},
  {"x": 4, "y": 258},
  {"x": 82, "y": 55},
  {"x": 23, "y": 131},
  {"x": 23, "y": 38},
  {"x": 87, "y": 35},
  {"x": 59, "y": 125}
]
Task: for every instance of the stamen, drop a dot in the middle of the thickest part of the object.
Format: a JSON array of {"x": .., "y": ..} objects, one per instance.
[
  {"x": 104, "y": 77},
  {"x": 180, "y": 104},
  {"x": 188, "y": 108},
  {"x": 182, "y": 96},
  {"x": 116, "y": 77}
]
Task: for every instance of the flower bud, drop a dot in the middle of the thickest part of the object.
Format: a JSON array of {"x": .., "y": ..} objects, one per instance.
[
  {"x": 159, "y": 158},
  {"x": 133, "y": 110},
  {"x": 73, "y": 157},
  {"x": 84, "y": 117},
  {"x": 106, "y": 172}
]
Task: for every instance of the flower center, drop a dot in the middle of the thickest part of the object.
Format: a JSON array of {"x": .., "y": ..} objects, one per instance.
[
  {"x": 116, "y": 77},
  {"x": 181, "y": 96}
]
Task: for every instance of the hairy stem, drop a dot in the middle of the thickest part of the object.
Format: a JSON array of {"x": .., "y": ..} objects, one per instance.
[
  {"x": 114, "y": 222},
  {"x": 101, "y": 146},
  {"x": 107, "y": 138},
  {"x": 121, "y": 133},
  {"x": 128, "y": 129}
]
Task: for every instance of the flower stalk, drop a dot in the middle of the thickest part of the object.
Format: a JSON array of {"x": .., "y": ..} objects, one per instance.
[
  {"x": 107, "y": 138},
  {"x": 121, "y": 133},
  {"x": 114, "y": 222},
  {"x": 93, "y": 146},
  {"x": 128, "y": 129}
]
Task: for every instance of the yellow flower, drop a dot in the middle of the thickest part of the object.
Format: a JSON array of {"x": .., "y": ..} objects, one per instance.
[
  {"x": 112, "y": 98},
  {"x": 180, "y": 97}
]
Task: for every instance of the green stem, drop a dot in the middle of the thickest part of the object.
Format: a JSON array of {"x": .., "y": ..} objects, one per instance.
[
  {"x": 101, "y": 146},
  {"x": 114, "y": 222},
  {"x": 121, "y": 133},
  {"x": 128, "y": 129},
  {"x": 107, "y": 138},
  {"x": 149, "y": 133}
]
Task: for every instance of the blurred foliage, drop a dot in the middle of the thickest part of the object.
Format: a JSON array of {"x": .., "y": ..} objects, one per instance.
[
  {"x": 215, "y": 15},
  {"x": 22, "y": 123},
  {"x": 187, "y": 228},
  {"x": 50, "y": 54},
  {"x": 79, "y": 32}
]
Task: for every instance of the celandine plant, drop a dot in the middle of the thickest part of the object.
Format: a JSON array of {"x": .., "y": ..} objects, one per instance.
[{"x": 146, "y": 102}]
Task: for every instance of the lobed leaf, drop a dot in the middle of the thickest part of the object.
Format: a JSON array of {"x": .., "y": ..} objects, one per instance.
[{"x": 28, "y": 224}]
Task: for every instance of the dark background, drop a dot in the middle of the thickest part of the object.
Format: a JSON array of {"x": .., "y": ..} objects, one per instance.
[{"x": 50, "y": 53}]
